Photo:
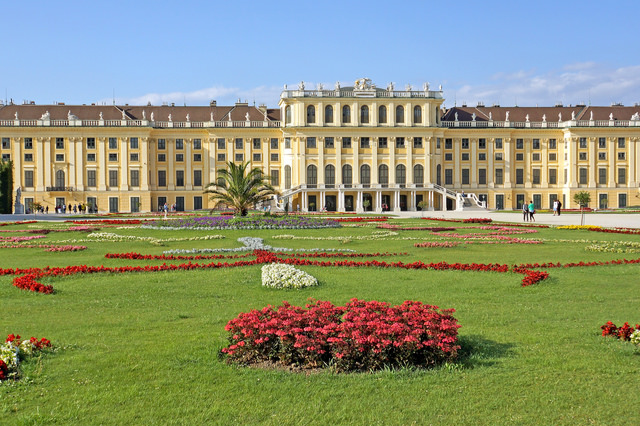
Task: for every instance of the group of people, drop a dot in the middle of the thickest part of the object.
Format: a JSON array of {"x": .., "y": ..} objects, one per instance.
[
  {"x": 167, "y": 208},
  {"x": 528, "y": 211},
  {"x": 557, "y": 205},
  {"x": 75, "y": 208}
]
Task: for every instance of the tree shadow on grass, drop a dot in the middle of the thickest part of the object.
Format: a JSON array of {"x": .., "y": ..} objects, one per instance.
[{"x": 477, "y": 351}]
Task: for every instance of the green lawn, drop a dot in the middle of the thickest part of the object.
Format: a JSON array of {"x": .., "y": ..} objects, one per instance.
[{"x": 142, "y": 348}]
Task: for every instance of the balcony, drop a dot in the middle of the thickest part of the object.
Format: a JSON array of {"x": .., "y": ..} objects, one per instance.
[{"x": 60, "y": 189}]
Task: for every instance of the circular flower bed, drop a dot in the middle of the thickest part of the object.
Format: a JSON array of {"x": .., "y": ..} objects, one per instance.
[{"x": 278, "y": 275}]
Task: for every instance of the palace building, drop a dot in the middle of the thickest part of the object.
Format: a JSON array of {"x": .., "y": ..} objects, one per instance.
[{"x": 357, "y": 148}]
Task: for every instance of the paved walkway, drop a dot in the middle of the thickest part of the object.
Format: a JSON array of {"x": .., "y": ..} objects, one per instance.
[{"x": 630, "y": 220}]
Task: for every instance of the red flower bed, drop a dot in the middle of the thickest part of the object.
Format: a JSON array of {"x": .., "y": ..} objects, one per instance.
[
  {"x": 362, "y": 219},
  {"x": 107, "y": 221},
  {"x": 622, "y": 333},
  {"x": 359, "y": 336},
  {"x": 628, "y": 231},
  {"x": 477, "y": 220},
  {"x": 414, "y": 228}
]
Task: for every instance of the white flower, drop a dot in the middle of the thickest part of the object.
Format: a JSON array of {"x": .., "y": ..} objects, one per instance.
[
  {"x": 635, "y": 337},
  {"x": 278, "y": 275}
]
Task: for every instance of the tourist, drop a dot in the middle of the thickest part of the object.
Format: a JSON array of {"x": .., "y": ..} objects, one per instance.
[
  {"x": 559, "y": 207},
  {"x": 532, "y": 211},
  {"x": 555, "y": 207},
  {"x": 525, "y": 211}
]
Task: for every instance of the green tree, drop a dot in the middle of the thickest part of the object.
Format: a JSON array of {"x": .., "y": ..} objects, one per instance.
[
  {"x": 240, "y": 188},
  {"x": 583, "y": 198},
  {"x": 6, "y": 186}
]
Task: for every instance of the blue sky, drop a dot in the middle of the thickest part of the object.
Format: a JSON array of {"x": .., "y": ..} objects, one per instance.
[{"x": 506, "y": 52}]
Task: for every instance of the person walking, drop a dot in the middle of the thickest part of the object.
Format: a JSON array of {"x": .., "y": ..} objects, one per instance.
[
  {"x": 559, "y": 207},
  {"x": 555, "y": 207},
  {"x": 532, "y": 211},
  {"x": 525, "y": 211}
]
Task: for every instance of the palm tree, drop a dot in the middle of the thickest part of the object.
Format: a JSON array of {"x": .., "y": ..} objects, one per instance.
[{"x": 240, "y": 188}]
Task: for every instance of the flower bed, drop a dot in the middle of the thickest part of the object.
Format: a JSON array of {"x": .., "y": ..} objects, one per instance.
[
  {"x": 628, "y": 231},
  {"x": 359, "y": 336},
  {"x": 14, "y": 350},
  {"x": 255, "y": 222},
  {"x": 361, "y": 219},
  {"x": 278, "y": 275},
  {"x": 626, "y": 332}
]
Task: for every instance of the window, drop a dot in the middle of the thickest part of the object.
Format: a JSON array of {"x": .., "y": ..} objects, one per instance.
[
  {"x": 197, "y": 157},
  {"x": 28, "y": 178},
  {"x": 179, "y": 157},
  {"x": 418, "y": 175},
  {"x": 134, "y": 202},
  {"x": 498, "y": 156},
  {"x": 382, "y": 142},
  {"x": 602, "y": 143},
  {"x": 498, "y": 143},
  {"x": 162, "y": 178},
  {"x": 6, "y": 143},
  {"x": 582, "y": 156},
  {"x": 448, "y": 143},
  {"x": 535, "y": 144},
  {"x": 602, "y": 176},
  {"x": 448, "y": 176},
  {"x": 622, "y": 200},
  {"x": 275, "y": 177},
  {"x": 553, "y": 176},
  {"x": 312, "y": 175},
  {"x": 465, "y": 176},
  {"x": 465, "y": 143},
  {"x": 552, "y": 156},
  {"x": 602, "y": 156},
  {"x": 197, "y": 178},
  {"x": 113, "y": 178},
  {"x": 134, "y": 156},
  {"x": 519, "y": 143},
  {"x": 448, "y": 156},
  {"x": 417, "y": 115},
  {"x": 347, "y": 175},
  {"x": 274, "y": 143},
  {"x": 621, "y": 156},
  {"x": 482, "y": 143},
  {"x": 519, "y": 156},
  {"x": 287, "y": 143},
  {"x": 28, "y": 157},
  {"x": 287, "y": 177},
  {"x": 221, "y": 157},
  {"x": 346, "y": 114},
  {"x": 287, "y": 114},
  {"x": 239, "y": 143},
  {"x": 256, "y": 143},
  {"x": 91, "y": 157},
  {"x": 328, "y": 114},
  {"x": 382, "y": 114},
  {"x": 346, "y": 142},
  {"x": 330, "y": 175},
  {"x": 400, "y": 142},
  {"x": 311, "y": 143},
  {"x": 583, "y": 143},
  {"x": 179, "y": 143},
  {"x": 465, "y": 156},
  {"x": 535, "y": 156},
  {"x": 179, "y": 177},
  {"x": 364, "y": 114},
  {"x": 328, "y": 142},
  {"x": 399, "y": 114},
  {"x": 59, "y": 157},
  {"x": 28, "y": 143},
  {"x": 519, "y": 176},
  {"x": 274, "y": 156},
  {"x": 482, "y": 156},
  {"x": 239, "y": 157},
  {"x": 60, "y": 180},
  {"x": 113, "y": 204},
  {"x": 364, "y": 143},
  {"x": 622, "y": 176},
  {"x": 383, "y": 175},
  {"x": 222, "y": 143},
  {"x": 482, "y": 176},
  {"x": 59, "y": 143},
  {"x": 499, "y": 177},
  {"x": 113, "y": 143},
  {"x": 197, "y": 144},
  {"x": 162, "y": 144},
  {"x": 365, "y": 174},
  {"x": 417, "y": 142},
  {"x": 162, "y": 157},
  {"x": 256, "y": 156},
  {"x": 401, "y": 175},
  {"x": 582, "y": 176},
  {"x": 197, "y": 203},
  {"x": 134, "y": 177},
  {"x": 552, "y": 144},
  {"x": 536, "y": 176},
  {"x": 133, "y": 143}
]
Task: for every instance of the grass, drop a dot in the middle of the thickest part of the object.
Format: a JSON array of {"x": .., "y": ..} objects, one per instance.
[{"x": 143, "y": 348}]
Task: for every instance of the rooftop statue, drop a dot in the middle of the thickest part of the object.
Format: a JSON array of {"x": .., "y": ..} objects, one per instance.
[
  {"x": 363, "y": 84},
  {"x": 573, "y": 115},
  {"x": 527, "y": 118},
  {"x": 152, "y": 116},
  {"x": 16, "y": 115},
  {"x": 337, "y": 85},
  {"x": 506, "y": 118},
  {"x": 170, "y": 117},
  {"x": 559, "y": 116},
  {"x": 144, "y": 115},
  {"x": 611, "y": 116},
  {"x": 390, "y": 87},
  {"x": 425, "y": 86},
  {"x": 188, "y": 119},
  {"x": 301, "y": 85},
  {"x": 544, "y": 118},
  {"x": 46, "y": 116},
  {"x": 591, "y": 116}
]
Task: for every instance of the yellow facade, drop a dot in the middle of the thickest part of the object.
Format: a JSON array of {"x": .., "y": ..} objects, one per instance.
[{"x": 359, "y": 148}]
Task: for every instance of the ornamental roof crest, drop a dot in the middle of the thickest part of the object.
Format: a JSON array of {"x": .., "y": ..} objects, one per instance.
[{"x": 364, "y": 84}]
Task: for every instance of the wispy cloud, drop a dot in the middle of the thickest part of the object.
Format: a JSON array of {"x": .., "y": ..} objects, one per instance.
[{"x": 571, "y": 84}]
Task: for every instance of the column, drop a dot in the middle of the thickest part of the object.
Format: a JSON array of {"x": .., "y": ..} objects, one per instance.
[
  {"x": 144, "y": 158},
  {"x": 124, "y": 164},
  {"x": 428, "y": 157},
  {"x": 171, "y": 172},
  {"x": 72, "y": 162},
  {"x": 473, "y": 168},
  {"x": 41, "y": 164},
  {"x": 573, "y": 160},
  {"x": 79, "y": 160},
  {"x": 508, "y": 161},
  {"x": 633, "y": 160},
  {"x": 47, "y": 166},
  {"x": 544, "y": 171},
  {"x": 456, "y": 162},
  {"x": 527, "y": 163},
  {"x": 188, "y": 171},
  {"x": 611, "y": 155},
  {"x": 16, "y": 157},
  {"x": 490, "y": 158},
  {"x": 412, "y": 207},
  {"x": 593, "y": 164}
]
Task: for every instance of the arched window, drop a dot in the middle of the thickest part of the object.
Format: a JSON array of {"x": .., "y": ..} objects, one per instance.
[
  {"x": 347, "y": 175},
  {"x": 328, "y": 114},
  {"x": 346, "y": 114},
  {"x": 365, "y": 174},
  {"x": 287, "y": 114},
  {"x": 287, "y": 177},
  {"x": 399, "y": 114},
  {"x": 312, "y": 175},
  {"x": 330, "y": 175},
  {"x": 417, "y": 114},
  {"x": 311, "y": 114},
  {"x": 364, "y": 114},
  {"x": 60, "y": 182},
  {"x": 383, "y": 174},
  {"x": 401, "y": 174},
  {"x": 418, "y": 174},
  {"x": 382, "y": 114}
]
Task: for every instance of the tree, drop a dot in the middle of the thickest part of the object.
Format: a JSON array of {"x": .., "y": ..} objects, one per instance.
[
  {"x": 6, "y": 186},
  {"x": 240, "y": 188},
  {"x": 582, "y": 198}
]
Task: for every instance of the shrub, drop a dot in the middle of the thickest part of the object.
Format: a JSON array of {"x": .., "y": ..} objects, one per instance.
[
  {"x": 278, "y": 275},
  {"x": 359, "y": 336}
]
